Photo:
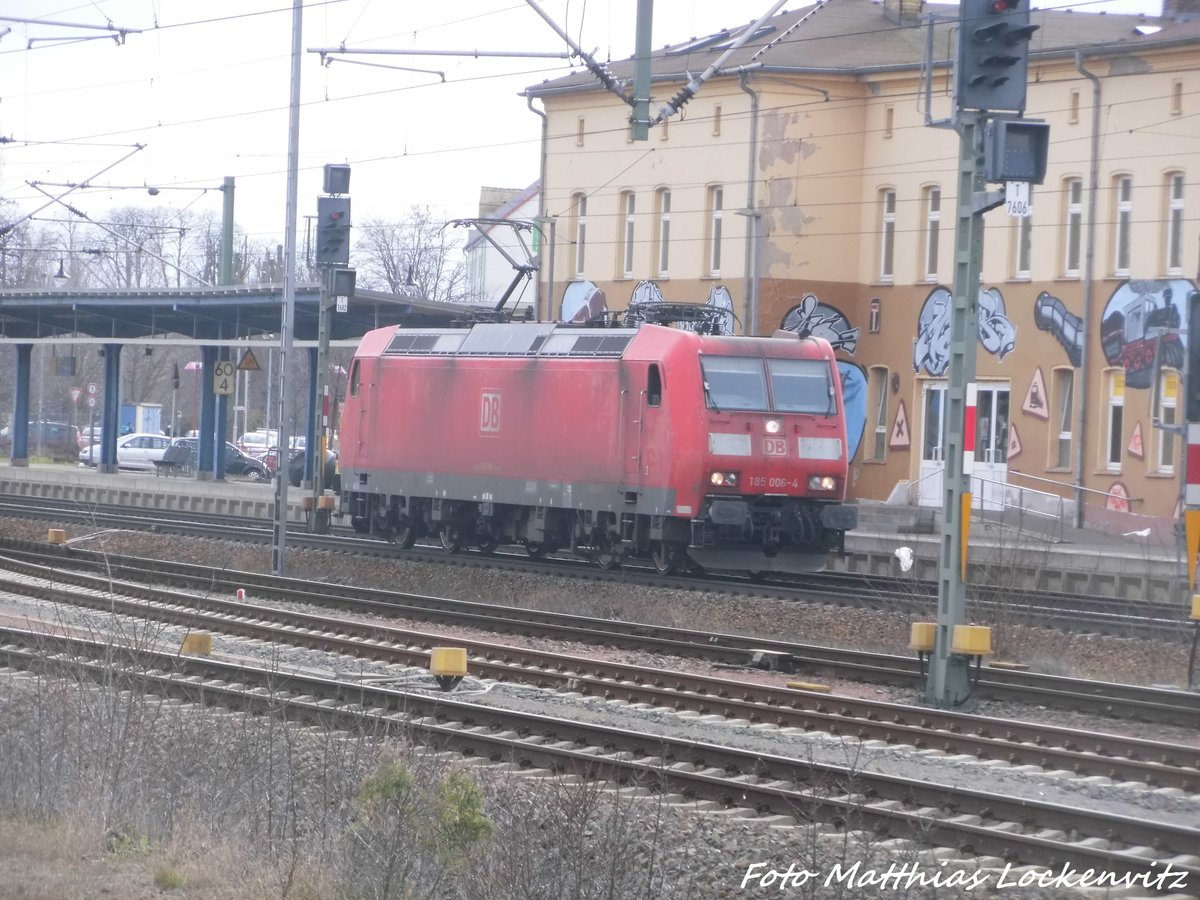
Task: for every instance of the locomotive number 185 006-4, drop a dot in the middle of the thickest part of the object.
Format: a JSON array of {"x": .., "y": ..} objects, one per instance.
[{"x": 773, "y": 481}]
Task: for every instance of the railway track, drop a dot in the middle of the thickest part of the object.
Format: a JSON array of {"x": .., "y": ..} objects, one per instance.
[
  {"x": 973, "y": 822},
  {"x": 1135, "y": 702},
  {"x": 1087, "y": 754},
  {"x": 1094, "y": 614}
]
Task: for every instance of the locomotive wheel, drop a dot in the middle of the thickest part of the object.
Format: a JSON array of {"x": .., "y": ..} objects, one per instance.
[
  {"x": 608, "y": 560},
  {"x": 664, "y": 558},
  {"x": 451, "y": 537},
  {"x": 406, "y": 535},
  {"x": 607, "y": 554},
  {"x": 360, "y": 525},
  {"x": 488, "y": 545}
]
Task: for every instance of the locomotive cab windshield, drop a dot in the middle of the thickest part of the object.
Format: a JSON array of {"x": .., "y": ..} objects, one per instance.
[{"x": 796, "y": 385}]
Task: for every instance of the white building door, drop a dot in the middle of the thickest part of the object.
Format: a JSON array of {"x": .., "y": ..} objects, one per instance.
[
  {"x": 990, "y": 478},
  {"x": 933, "y": 409}
]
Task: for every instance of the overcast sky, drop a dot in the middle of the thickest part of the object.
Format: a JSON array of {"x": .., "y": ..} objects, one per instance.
[{"x": 205, "y": 87}]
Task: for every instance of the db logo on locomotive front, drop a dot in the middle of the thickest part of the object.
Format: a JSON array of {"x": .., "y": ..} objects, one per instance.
[
  {"x": 775, "y": 446},
  {"x": 489, "y": 412}
]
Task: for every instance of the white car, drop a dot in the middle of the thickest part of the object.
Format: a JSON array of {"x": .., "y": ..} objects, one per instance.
[
  {"x": 259, "y": 443},
  {"x": 134, "y": 451}
]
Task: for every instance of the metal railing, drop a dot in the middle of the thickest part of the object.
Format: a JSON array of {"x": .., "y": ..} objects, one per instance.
[
  {"x": 913, "y": 490},
  {"x": 1028, "y": 501},
  {"x": 1107, "y": 495},
  {"x": 1007, "y": 497}
]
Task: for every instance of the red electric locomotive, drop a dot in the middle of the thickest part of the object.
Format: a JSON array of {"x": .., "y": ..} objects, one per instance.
[{"x": 654, "y": 442}]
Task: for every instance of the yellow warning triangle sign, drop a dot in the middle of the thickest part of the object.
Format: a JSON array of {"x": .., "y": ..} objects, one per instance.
[{"x": 249, "y": 363}]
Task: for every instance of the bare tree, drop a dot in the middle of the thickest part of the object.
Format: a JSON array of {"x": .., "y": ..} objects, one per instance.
[{"x": 388, "y": 254}]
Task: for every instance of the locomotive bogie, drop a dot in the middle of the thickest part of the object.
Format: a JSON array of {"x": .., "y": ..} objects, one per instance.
[{"x": 656, "y": 444}]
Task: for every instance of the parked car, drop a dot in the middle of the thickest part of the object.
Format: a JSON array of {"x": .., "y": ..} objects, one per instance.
[
  {"x": 259, "y": 443},
  {"x": 134, "y": 451},
  {"x": 57, "y": 440},
  {"x": 237, "y": 463},
  {"x": 331, "y": 477}
]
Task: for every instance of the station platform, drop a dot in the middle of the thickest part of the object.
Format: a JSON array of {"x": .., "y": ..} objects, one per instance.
[
  {"x": 1001, "y": 555},
  {"x": 148, "y": 490},
  {"x": 1015, "y": 553}
]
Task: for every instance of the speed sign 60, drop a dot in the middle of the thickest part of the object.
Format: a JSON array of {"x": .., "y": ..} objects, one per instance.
[{"x": 223, "y": 378}]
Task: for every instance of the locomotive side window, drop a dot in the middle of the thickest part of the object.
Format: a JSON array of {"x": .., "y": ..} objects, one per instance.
[
  {"x": 653, "y": 387},
  {"x": 355, "y": 376},
  {"x": 735, "y": 382},
  {"x": 801, "y": 385}
]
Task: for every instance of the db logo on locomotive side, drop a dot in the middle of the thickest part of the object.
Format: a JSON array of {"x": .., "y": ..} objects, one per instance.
[
  {"x": 775, "y": 446},
  {"x": 489, "y": 412}
]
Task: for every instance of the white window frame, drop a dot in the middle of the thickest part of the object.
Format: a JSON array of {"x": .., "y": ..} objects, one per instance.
[
  {"x": 1122, "y": 224},
  {"x": 887, "y": 243},
  {"x": 1114, "y": 442},
  {"x": 580, "y": 246},
  {"x": 1166, "y": 414},
  {"x": 1063, "y": 417},
  {"x": 1174, "y": 220},
  {"x": 878, "y": 379},
  {"x": 1073, "y": 225},
  {"x": 716, "y": 212},
  {"x": 663, "y": 248},
  {"x": 1023, "y": 251},
  {"x": 628, "y": 208},
  {"x": 933, "y": 220}
]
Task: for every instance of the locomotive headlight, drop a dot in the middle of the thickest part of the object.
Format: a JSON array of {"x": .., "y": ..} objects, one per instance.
[
  {"x": 774, "y": 426},
  {"x": 822, "y": 483},
  {"x": 723, "y": 479}
]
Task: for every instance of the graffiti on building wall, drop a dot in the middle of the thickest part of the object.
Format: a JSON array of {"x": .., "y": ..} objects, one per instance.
[
  {"x": 583, "y": 302},
  {"x": 812, "y": 317},
  {"x": 645, "y": 292},
  {"x": 854, "y": 399},
  {"x": 931, "y": 351},
  {"x": 1051, "y": 315},
  {"x": 996, "y": 332},
  {"x": 1140, "y": 326},
  {"x": 719, "y": 317},
  {"x": 720, "y": 298}
]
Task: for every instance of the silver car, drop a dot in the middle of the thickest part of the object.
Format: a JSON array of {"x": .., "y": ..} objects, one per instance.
[{"x": 134, "y": 451}]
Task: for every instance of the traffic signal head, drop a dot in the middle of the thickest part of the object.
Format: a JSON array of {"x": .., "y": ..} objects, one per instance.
[
  {"x": 333, "y": 231},
  {"x": 1016, "y": 149},
  {"x": 993, "y": 55}
]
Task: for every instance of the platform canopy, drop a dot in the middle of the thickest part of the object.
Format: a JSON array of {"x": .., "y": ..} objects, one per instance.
[{"x": 204, "y": 314}]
